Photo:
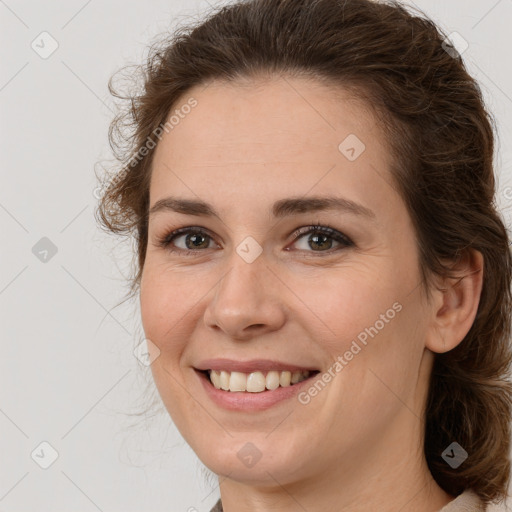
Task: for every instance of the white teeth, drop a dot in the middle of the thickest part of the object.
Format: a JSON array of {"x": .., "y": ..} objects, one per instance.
[
  {"x": 224, "y": 380},
  {"x": 285, "y": 379},
  {"x": 237, "y": 381},
  {"x": 215, "y": 378},
  {"x": 255, "y": 382},
  {"x": 272, "y": 380}
]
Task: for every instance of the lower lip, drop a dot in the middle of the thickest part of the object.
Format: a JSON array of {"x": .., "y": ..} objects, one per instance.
[{"x": 246, "y": 401}]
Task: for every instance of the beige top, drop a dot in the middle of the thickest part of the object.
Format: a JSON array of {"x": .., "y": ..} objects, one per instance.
[{"x": 468, "y": 501}]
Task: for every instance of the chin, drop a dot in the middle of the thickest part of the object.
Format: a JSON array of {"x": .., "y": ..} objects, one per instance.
[{"x": 244, "y": 462}]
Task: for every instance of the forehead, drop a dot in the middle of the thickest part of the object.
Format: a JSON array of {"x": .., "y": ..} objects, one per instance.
[
  {"x": 280, "y": 136},
  {"x": 287, "y": 116}
]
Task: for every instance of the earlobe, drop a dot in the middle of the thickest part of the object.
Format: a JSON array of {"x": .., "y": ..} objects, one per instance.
[{"x": 456, "y": 304}]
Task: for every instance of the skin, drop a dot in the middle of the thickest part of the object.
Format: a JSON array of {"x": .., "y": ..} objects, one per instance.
[{"x": 357, "y": 445}]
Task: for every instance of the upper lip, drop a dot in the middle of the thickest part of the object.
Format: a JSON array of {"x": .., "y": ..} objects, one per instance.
[{"x": 251, "y": 365}]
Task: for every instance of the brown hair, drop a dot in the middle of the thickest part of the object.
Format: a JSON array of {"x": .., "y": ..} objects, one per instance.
[{"x": 442, "y": 138}]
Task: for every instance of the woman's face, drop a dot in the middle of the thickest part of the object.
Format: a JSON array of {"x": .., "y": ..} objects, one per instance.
[{"x": 239, "y": 290}]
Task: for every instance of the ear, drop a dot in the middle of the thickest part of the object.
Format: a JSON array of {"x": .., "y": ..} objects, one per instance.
[{"x": 455, "y": 303}]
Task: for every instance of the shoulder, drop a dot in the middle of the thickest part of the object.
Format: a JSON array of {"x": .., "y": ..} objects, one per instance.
[
  {"x": 504, "y": 506},
  {"x": 469, "y": 501}
]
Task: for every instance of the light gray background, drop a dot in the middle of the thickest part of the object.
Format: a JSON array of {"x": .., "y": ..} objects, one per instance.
[{"x": 68, "y": 373}]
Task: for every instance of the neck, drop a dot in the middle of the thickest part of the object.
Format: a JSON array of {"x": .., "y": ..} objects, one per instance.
[{"x": 391, "y": 474}]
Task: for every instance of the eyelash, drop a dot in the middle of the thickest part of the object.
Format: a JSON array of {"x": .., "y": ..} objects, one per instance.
[{"x": 166, "y": 240}]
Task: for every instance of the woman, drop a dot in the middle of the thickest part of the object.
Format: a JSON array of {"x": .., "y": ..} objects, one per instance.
[{"x": 324, "y": 280}]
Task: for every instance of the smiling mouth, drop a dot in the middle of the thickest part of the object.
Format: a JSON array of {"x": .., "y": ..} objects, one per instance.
[{"x": 255, "y": 382}]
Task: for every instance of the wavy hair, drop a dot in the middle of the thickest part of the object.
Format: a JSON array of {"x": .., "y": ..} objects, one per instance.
[{"x": 442, "y": 138}]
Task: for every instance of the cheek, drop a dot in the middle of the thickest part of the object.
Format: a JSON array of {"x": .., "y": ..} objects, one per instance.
[
  {"x": 369, "y": 319},
  {"x": 164, "y": 308},
  {"x": 164, "y": 319},
  {"x": 341, "y": 304}
]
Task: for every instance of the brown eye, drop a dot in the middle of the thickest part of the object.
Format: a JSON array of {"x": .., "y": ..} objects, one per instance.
[
  {"x": 193, "y": 239},
  {"x": 189, "y": 241},
  {"x": 197, "y": 240},
  {"x": 321, "y": 238}
]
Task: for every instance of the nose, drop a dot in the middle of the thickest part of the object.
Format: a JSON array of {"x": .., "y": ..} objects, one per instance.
[{"x": 247, "y": 300}]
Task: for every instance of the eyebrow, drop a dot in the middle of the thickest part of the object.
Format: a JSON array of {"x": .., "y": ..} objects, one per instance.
[{"x": 280, "y": 209}]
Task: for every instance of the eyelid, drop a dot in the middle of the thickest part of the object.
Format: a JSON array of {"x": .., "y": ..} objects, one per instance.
[
  {"x": 325, "y": 229},
  {"x": 166, "y": 240}
]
